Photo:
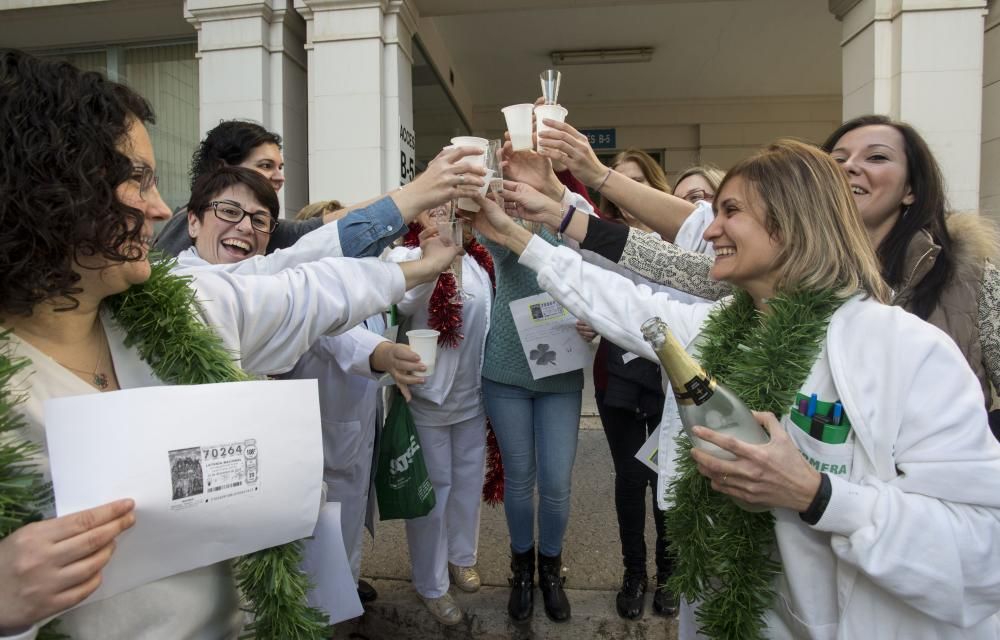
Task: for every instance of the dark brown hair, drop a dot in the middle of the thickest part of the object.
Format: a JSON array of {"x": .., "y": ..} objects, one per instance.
[
  {"x": 927, "y": 212},
  {"x": 208, "y": 187},
  {"x": 61, "y": 133}
]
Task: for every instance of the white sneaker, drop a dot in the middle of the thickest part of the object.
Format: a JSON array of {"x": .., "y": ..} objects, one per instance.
[
  {"x": 444, "y": 609},
  {"x": 465, "y": 578}
]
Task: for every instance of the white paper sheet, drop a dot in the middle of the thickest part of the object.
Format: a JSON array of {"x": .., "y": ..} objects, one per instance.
[
  {"x": 325, "y": 561},
  {"x": 216, "y": 471},
  {"x": 548, "y": 336},
  {"x": 648, "y": 453}
]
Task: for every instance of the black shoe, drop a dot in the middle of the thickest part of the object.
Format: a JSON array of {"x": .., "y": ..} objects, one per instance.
[
  {"x": 522, "y": 585},
  {"x": 664, "y": 600},
  {"x": 632, "y": 596},
  {"x": 366, "y": 592},
  {"x": 550, "y": 581}
]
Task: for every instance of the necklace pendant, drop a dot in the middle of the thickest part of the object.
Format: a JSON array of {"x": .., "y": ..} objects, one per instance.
[{"x": 101, "y": 381}]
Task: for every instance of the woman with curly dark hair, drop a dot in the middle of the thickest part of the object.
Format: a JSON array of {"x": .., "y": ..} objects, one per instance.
[
  {"x": 240, "y": 143},
  {"x": 78, "y": 199}
]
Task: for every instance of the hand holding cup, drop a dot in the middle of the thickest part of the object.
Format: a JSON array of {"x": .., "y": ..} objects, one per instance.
[{"x": 567, "y": 145}]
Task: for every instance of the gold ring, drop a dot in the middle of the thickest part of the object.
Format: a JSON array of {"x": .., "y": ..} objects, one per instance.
[{"x": 725, "y": 477}]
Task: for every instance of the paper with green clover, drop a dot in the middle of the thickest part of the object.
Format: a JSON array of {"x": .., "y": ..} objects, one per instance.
[{"x": 548, "y": 336}]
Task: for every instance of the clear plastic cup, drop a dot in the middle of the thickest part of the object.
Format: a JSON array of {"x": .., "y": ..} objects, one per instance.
[
  {"x": 425, "y": 343},
  {"x": 550, "y": 85},
  {"x": 451, "y": 232},
  {"x": 550, "y": 111},
  {"x": 518, "y": 117}
]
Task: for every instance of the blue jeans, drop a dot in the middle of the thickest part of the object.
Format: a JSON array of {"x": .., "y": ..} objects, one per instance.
[{"x": 537, "y": 434}]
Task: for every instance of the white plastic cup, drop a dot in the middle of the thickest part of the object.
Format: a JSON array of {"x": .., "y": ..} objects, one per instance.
[
  {"x": 479, "y": 161},
  {"x": 468, "y": 204},
  {"x": 473, "y": 141},
  {"x": 518, "y": 117},
  {"x": 550, "y": 111},
  {"x": 425, "y": 343}
]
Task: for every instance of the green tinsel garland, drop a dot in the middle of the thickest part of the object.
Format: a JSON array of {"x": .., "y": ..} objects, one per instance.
[
  {"x": 161, "y": 321},
  {"x": 723, "y": 553}
]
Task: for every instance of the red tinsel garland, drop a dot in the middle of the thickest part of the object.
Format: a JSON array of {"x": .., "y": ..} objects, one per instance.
[{"x": 444, "y": 314}]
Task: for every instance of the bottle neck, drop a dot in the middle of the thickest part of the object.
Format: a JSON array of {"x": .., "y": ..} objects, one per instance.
[{"x": 689, "y": 381}]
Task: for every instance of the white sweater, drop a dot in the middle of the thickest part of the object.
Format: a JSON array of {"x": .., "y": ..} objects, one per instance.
[
  {"x": 195, "y": 605},
  {"x": 914, "y": 530}
]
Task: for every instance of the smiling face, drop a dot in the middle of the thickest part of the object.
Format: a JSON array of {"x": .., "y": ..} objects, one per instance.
[
  {"x": 221, "y": 242},
  {"x": 745, "y": 253},
  {"x": 874, "y": 159},
  {"x": 266, "y": 159},
  {"x": 101, "y": 278}
]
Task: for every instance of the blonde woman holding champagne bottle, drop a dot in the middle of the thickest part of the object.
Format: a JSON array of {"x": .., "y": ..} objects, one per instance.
[{"x": 881, "y": 478}]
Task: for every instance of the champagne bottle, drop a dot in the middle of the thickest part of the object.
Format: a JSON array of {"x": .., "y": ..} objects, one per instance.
[{"x": 701, "y": 400}]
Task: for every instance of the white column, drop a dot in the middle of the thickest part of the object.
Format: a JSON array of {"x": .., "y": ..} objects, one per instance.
[
  {"x": 360, "y": 94},
  {"x": 399, "y": 25},
  {"x": 920, "y": 61},
  {"x": 990, "y": 174},
  {"x": 252, "y": 66}
]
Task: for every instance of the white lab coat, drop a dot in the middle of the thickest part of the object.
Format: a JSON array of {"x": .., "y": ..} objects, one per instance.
[{"x": 914, "y": 528}]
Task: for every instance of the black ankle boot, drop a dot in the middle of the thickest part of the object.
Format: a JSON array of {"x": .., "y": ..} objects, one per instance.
[
  {"x": 522, "y": 585},
  {"x": 550, "y": 581},
  {"x": 632, "y": 596},
  {"x": 664, "y": 601}
]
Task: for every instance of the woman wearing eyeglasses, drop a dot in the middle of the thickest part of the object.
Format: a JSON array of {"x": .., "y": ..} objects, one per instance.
[
  {"x": 76, "y": 217},
  {"x": 365, "y": 229},
  {"x": 700, "y": 182}
]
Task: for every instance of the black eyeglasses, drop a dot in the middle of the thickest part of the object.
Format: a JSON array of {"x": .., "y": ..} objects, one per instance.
[
  {"x": 232, "y": 212},
  {"x": 695, "y": 195},
  {"x": 146, "y": 178}
]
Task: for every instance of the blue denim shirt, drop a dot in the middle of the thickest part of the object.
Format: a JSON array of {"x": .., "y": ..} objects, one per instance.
[{"x": 367, "y": 231}]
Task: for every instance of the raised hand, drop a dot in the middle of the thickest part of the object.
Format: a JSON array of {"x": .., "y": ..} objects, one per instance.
[
  {"x": 447, "y": 177},
  {"x": 524, "y": 201},
  {"x": 562, "y": 143},
  {"x": 49, "y": 566},
  {"x": 531, "y": 168},
  {"x": 436, "y": 258},
  {"x": 492, "y": 222}
]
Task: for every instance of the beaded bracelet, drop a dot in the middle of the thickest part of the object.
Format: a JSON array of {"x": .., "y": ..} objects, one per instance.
[{"x": 565, "y": 221}]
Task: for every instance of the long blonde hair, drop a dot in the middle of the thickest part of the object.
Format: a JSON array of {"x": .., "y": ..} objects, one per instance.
[
  {"x": 712, "y": 174},
  {"x": 317, "y": 209},
  {"x": 808, "y": 207},
  {"x": 650, "y": 170}
]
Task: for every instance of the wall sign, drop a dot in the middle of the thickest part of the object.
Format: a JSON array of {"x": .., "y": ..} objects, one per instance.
[
  {"x": 407, "y": 155},
  {"x": 601, "y": 138}
]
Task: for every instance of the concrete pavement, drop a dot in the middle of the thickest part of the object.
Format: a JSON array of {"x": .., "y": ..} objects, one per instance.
[{"x": 591, "y": 553}]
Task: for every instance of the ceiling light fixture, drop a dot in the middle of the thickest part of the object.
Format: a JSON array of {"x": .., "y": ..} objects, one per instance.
[{"x": 602, "y": 56}]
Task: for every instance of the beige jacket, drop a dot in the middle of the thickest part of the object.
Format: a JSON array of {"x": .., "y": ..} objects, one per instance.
[{"x": 975, "y": 240}]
